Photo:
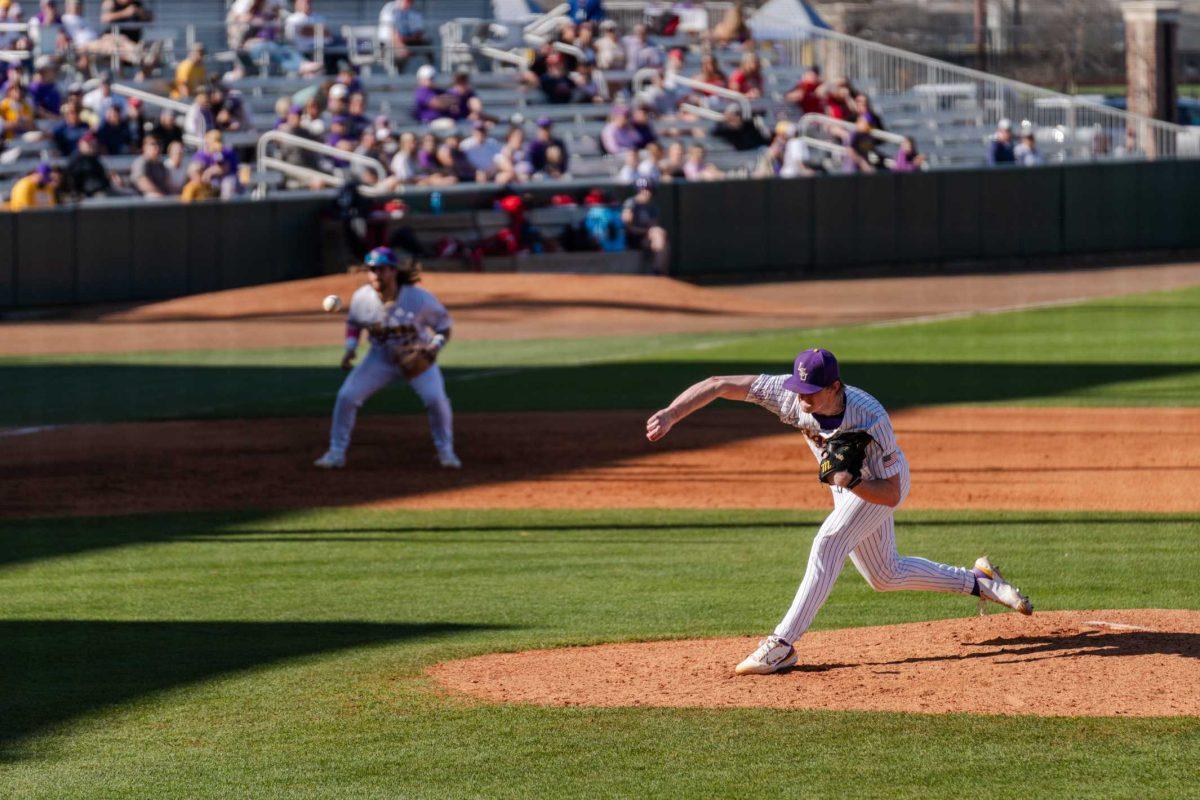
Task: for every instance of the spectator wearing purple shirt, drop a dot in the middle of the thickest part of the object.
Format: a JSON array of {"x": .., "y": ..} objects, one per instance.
[
  {"x": 618, "y": 135},
  {"x": 466, "y": 105},
  {"x": 215, "y": 153},
  {"x": 430, "y": 102},
  {"x": 543, "y": 140},
  {"x": 43, "y": 89}
]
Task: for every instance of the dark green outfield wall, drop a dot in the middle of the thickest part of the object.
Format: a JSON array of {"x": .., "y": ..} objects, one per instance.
[{"x": 147, "y": 251}]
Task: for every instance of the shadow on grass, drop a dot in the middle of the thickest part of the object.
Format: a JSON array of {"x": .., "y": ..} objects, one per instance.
[
  {"x": 48, "y": 394},
  {"x": 53, "y": 671}
]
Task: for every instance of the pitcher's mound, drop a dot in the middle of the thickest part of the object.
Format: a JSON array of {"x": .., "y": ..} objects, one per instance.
[{"x": 1142, "y": 663}]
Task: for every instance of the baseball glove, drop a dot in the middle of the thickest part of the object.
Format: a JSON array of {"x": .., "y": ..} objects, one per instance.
[
  {"x": 844, "y": 452},
  {"x": 413, "y": 361}
]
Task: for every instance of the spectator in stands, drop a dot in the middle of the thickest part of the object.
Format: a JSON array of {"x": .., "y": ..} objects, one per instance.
[
  {"x": 128, "y": 16},
  {"x": 45, "y": 28},
  {"x": 862, "y": 154},
  {"x": 628, "y": 172},
  {"x": 650, "y": 163},
  {"x": 147, "y": 173},
  {"x": 696, "y": 166},
  {"x": 69, "y": 130},
  {"x": 87, "y": 43},
  {"x": 254, "y": 27},
  {"x": 672, "y": 166},
  {"x": 1026, "y": 153},
  {"x": 302, "y": 29},
  {"x": 220, "y": 164},
  {"x": 739, "y": 132},
  {"x": 585, "y": 40},
  {"x": 85, "y": 175},
  {"x": 796, "y": 156},
  {"x": 167, "y": 128},
  {"x": 404, "y": 27},
  {"x": 657, "y": 97},
  {"x": 10, "y": 12},
  {"x": 512, "y": 165},
  {"x": 405, "y": 168},
  {"x": 200, "y": 117},
  {"x": 586, "y": 10},
  {"x": 1000, "y": 149},
  {"x": 197, "y": 188},
  {"x": 807, "y": 93},
  {"x": 640, "y": 52},
  {"x": 357, "y": 121},
  {"x": 481, "y": 151},
  {"x": 1130, "y": 149},
  {"x": 177, "y": 163},
  {"x": 770, "y": 160},
  {"x": 643, "y": 225},
  {"x": 430, "y": 102},
  {"x": 98, "y": 100},
  {"x": 610, "y": 53},
  {"x": 113, "y": 134},
  {"x": 555, "y": 168},
  {"x": 618, "y": 135},
  {"x": 464, "y": 103},
  {"x": 16, "y": 112},
  {"x": 732, "y": 27},
  {"x": 190, "y": 73},
  {"x": 557, "y": 87},
  {"x": 864, "y": 110},
  {"x": 229, "y": 108},
  {"x": 639, "y": 120},
  {"x": 710, "y": 73},
  {"x": 427, "y": 153},
  {"x": 43, "y": 89},
  {"x": 38, "y": 189},
  {"x": 908, "y": 159},
  {"x": 839, "y": 100},
  {"x": 589, "y": 88},
  {"x": 543, "y": 140},
  {"x": 445, "y": 170},
  {"x": 748, "y": 77}
]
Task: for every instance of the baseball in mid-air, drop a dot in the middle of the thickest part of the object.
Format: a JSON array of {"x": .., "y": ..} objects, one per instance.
[{"x": 331, "y": 303}]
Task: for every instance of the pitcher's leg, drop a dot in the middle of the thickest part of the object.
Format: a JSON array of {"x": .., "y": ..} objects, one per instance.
[
  {"x": 876, "y": 559},
  {"x": 368, "y": 377},
  {"x": 851, "y": 519},
  {"x": 430, "y": 386}
]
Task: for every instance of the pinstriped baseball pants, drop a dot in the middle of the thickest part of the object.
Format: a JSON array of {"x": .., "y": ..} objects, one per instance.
[{"x": 867, "y": 533}]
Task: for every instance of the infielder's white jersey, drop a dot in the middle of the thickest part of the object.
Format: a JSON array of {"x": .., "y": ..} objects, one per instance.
[
  {"x": 863, "y": 413},
  {"x": 416, "y": 313}
]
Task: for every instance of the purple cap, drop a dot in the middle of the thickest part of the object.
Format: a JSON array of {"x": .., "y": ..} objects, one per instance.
[
  {"x": 544, "y": 122},
  {"x": 814, "y": 370}
]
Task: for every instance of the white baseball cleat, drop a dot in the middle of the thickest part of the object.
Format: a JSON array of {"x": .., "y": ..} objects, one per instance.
[
  {"x": 992, "y": 586},
  {"x": 331, "y": 460},
  {"x": 447, "y": 459},
  {"x": 772, "y": 655}
]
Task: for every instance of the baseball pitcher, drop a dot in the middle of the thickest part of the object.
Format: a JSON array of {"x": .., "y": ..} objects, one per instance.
[
  {"x": 407, "y": 327},
  {"x": 851, "y": 436}
]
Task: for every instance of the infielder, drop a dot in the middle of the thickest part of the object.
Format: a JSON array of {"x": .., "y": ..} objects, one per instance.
[
  {"x": 868, "y": 478},
  {"x": 408, "y": 328}
]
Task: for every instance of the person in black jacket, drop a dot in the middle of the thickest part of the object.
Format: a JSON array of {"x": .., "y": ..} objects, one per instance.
[
  {"x": 85, "y": 174},
  {"x": 740, "y": 132}
]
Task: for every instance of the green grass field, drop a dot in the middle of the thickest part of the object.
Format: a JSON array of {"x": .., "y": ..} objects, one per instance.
[{"x": 281, "y": 655}]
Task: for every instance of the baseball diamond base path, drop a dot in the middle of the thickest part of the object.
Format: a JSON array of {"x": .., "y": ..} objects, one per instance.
[
  {"x": 1074, "y": 459},
  {"x": 1132, "y": 662}
]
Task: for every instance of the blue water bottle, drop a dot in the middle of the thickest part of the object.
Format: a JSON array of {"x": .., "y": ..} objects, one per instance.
[{"x": 435, "y": 202}]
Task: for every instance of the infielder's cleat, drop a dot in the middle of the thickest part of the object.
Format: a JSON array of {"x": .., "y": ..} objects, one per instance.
[
  {"x": 448, "y": 460},
  {"x": 331, "y": 460},
  {"x": 772, "y": 655},
  {"x": 992, "y": 586}
]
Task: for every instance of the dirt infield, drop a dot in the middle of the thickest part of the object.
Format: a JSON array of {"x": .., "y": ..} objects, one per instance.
[
  {"x": 1137, "y": 663},
  {"x": 986, "y": 458},
  {"x": 550, "y": 306}
]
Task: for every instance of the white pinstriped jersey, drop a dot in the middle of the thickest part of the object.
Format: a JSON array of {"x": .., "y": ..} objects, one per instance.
[{"x": 863, "y": 413}]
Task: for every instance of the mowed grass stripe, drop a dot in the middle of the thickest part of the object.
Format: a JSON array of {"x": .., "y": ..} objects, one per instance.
[
  {"x": 1140, "y": 350},
  {"x": 245, "y": 655}
]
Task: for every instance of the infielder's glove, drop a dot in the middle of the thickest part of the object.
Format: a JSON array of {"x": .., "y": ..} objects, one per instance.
[
  {"x": 413, "y": 361},
  {"x": 844, "y": 452}
]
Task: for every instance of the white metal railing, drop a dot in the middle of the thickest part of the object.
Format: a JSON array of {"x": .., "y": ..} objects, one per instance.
[
  {"x": 672, "y": 79},
  {"x": 264, "y": 161},
  {"x": 825, "y": 121},
  {"x": 839, "y": 150},
  {"x": 545, "y": 24},
  {"x": 1083, "y": 129}
]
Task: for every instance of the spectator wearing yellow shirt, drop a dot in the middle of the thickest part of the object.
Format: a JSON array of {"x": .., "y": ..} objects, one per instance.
[
  {"x": 198, "y": 186},
  {"x": 16, "y": 112},
  {"x": 190, "y": 75},
  {"x": 38, "y": 189}
]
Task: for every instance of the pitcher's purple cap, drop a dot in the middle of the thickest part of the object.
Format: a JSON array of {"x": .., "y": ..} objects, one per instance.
[{"x": 813, "y": 371}]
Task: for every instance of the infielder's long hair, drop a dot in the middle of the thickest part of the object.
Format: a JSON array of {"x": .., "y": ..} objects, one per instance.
[{"x": 409, "y": 272}]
